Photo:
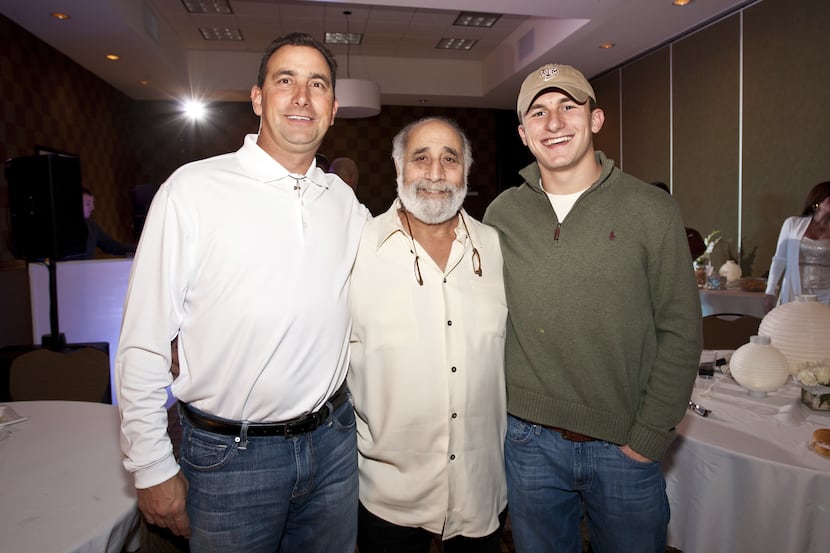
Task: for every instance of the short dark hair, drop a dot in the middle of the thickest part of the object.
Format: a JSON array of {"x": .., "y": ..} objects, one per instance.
[
  {"x": 815, "y": 196},
  {"x": 296, "y": 39}
]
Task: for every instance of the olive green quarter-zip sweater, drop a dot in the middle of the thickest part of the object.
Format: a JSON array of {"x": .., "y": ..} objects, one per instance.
[{"x": 603, "y": 334}]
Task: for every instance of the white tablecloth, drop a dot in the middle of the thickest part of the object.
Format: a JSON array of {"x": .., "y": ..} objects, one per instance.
[
  {"x": 62, "y": 485},
  {"x": 744, "y": 479},
  {"x": 732, "y": 300}
]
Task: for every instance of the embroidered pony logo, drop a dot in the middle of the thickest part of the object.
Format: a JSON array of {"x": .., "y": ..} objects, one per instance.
[{"x": 611, "y": 235}]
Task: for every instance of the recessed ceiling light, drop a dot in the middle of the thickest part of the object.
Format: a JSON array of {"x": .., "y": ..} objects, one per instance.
[
  {"x": 143, "y": 82},
  {"x": 682, "y": 2},
  {"x": 60, "y": 15},
  {"x": 221, "y": 33},
  {"x": 455, "y": 44},
  {"x": 113, "y": 57},
  {"x": 344, "y": 38},
  {"x": 207, "y": 6},
  {"x": 607, "y": 45},
  {"x": 472, "y": 19}
]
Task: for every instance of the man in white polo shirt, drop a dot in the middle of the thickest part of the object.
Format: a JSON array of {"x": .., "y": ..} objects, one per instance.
[{"x": 245, "y": 258}]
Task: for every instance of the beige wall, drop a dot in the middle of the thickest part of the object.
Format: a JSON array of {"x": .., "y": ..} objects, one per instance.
[{"x": 733, "y": 116}]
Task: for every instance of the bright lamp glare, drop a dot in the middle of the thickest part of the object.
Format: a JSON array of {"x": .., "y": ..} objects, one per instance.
[{"x": 194, "y": 109}]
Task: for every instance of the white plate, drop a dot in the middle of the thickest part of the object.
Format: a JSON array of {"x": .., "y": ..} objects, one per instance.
[{"x": 9, "y": 416}]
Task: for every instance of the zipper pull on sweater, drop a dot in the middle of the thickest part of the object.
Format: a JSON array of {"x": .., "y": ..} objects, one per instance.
[{"x": 556, "y": 232}]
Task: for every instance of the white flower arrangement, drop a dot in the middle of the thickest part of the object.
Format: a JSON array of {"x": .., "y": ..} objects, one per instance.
[
  {"x": 814, "y": 377},
  {"x": 813, "y": 373},
  {"x": 710, "y": 241}
]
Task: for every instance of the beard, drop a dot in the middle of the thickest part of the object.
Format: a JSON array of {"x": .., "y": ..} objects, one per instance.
[{"x": 429, "y": 210}]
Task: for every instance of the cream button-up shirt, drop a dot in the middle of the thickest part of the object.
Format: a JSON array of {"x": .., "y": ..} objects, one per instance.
[{"x": 427, "y": 378}]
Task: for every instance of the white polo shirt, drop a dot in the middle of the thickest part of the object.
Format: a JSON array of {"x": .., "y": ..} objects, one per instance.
[{"x": 249, "y": 265}]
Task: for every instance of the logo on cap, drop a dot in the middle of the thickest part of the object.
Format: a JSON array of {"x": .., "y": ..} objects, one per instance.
[{"x": 548, "y": 72}]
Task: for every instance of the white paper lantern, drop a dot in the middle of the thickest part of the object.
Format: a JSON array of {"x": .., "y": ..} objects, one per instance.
[
  {"x": 799, "y": 329},
  {"x": 759, "y": 367}
]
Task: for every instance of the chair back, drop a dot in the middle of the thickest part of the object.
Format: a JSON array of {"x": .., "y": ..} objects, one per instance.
[
  {"x": 75, "y": 375},
  {"x": 728, "y": 330}
]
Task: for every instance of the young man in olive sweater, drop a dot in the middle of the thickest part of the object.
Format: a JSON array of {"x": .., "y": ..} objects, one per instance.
[{"x": 603, "y": 336}]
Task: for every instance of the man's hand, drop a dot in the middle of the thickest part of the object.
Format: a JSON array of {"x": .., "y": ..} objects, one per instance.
[
  {"x": 164, "y": 505},
  {"x": 631, "y": 454}
]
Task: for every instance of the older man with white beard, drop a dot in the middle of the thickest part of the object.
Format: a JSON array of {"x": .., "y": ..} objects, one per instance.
[{"x": 427, "y": 362}]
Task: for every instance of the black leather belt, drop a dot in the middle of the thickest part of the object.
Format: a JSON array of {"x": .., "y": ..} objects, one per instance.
[{"x": 300, "y": 425}]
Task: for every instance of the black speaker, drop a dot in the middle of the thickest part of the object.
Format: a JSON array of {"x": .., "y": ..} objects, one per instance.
[{"x": 46, "y": 206}]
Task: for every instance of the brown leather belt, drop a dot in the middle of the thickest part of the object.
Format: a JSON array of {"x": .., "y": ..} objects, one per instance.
[
  {"x": 570, "y": 435},
  {"x": 300, "y": 425}
]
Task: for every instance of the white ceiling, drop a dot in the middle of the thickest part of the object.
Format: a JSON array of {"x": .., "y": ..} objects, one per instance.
[{"x": 159, "y": 41}]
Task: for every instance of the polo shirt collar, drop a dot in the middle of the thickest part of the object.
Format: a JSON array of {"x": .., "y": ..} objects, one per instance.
[{"x": 261, "y": 166}]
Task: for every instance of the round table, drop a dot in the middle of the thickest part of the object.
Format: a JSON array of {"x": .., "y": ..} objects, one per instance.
[
  {"x": 732, "y": 300},
  {"x": 743, "y": 478},
  {"x": 62, "y": 482}
]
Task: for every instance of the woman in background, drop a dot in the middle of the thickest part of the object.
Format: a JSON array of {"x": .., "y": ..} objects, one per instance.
[{"x": 803, "y": 252}]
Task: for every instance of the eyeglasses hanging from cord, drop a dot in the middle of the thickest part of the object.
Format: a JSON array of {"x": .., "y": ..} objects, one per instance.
[{"x": 476, "y": 257}]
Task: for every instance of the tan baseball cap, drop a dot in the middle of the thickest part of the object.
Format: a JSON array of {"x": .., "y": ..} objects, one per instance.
[{"x": 553, "y": 75}]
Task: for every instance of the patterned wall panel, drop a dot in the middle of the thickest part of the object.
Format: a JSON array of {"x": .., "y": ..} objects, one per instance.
[
  {"x": 163, "y": 140},
  {"x": 48, "y": 100}
]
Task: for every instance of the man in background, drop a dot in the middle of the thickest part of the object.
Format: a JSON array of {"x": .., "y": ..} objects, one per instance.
[
  {"x": 346, "y": 169},
  {"x": 603, "y": 338},
  {"x": 696, "y": 244},
  {"x": 245, "y": 258},
  {"x": 322, "y": 161},
  {"x": 96, "y": 237},
  {"x": 427, "y": 369}
]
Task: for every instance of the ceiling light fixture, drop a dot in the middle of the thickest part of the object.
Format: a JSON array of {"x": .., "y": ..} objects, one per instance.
[
  {"x": 60, "y": 15},
  {"x": 472, "y": 19},
  {"x": 455, "y": 44},
  {"x": 682, "y": 2},
  {"x": 356, "y": 98},
  {"x": 113, "y": 57},
  {"x": 221, "y": 34},
  {"x": 607, "y": 45},
  {"x": 207, "y": 6},
  {"x": 344, "y": 38}
]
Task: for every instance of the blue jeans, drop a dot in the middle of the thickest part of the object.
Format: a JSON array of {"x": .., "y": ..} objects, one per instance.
[
  {"x": 272, "y": 493},
  {"x": 550, "y": 480}
]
